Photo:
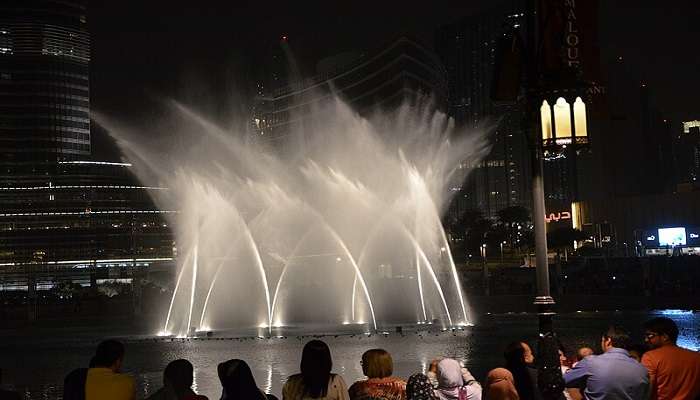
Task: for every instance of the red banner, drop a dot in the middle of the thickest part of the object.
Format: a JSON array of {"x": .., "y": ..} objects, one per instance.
[{"x": 568, "y": 41}]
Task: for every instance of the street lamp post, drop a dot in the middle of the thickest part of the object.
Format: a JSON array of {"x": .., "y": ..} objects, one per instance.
[{"x": 550, "y": 381}]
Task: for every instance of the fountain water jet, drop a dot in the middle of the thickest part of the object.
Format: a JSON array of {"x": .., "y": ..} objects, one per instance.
[{"x": 351, "y": 175}]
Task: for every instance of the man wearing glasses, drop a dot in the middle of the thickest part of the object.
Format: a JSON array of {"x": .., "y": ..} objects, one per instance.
[{"x": 674, "y": 372}]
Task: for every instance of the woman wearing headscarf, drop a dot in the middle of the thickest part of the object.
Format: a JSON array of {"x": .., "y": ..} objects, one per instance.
[
  {"x": 501, "y": 385},
  {"x": 452, "y": 385},
  {"x": 419, "y": 387},
  {"x": 238, "y": 382}
]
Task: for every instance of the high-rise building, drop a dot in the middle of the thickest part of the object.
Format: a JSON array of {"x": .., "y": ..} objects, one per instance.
[
  {"x": 687, "y": 154},
  {"x": 467, "y": 48},
  {"x": 44, "y": 82},
  {"x": 64, "y": 218}
]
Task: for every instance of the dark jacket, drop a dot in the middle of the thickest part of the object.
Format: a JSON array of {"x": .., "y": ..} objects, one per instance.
[{"x": 74, "y": 384}]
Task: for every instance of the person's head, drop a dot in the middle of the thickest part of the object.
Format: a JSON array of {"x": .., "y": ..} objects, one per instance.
[
  {"x": 501, "y": 385},
  {"x": 449, "y": 374},
  {"x": 584, "y": 352},
  {"x": 434, "y": 364},
  {"x": 614, "y": 336},
  {"x": 528, "y": 355},
  {"x": 237, "y": 380},
  {"x": 109, "y": 354},
  {"x": 563, "y": 360},
  {"x": 377, "y": 363},
  {"x": 637, "y": 351},
  {"x": 515, "y": 356},
  {"x": 316, "y": 365},
  {"x": 518, "y": 353},
  {"x": 418, "y": 387},
  {"x": 179, "y": 376},
  {"x": 660, "y": 331}
]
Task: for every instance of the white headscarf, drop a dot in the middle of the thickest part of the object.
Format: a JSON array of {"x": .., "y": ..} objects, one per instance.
[{"x": 449, "y": 379}]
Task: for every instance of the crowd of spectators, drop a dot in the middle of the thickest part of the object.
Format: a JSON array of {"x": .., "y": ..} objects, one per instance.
[{"x": 622, "y": 370}]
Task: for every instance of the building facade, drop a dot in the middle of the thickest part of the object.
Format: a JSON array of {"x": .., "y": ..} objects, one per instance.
[
  {"x": 381, "y": 79},
  {"x": 44, "y": 82},
  {"x": 65, "y": 219},
  {"x": 76, "y": 218},
  {"x": 467, "y": 48},
  {"x": 687, "y": 155}
]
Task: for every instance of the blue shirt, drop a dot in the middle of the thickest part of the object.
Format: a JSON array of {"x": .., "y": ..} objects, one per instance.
[{"x": 613, "y": 375}]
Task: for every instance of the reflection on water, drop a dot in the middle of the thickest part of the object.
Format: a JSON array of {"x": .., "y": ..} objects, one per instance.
[
  {"x": 37, "y": 369},
  {"x": 268, "y": 382},
  {"x": 688, "y": 335}
]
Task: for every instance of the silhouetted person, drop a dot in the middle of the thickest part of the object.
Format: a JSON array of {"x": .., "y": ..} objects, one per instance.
[
  {"x": 238, "y": 382},
  {"x": 8, "y": 394},
  {"x": 582, "y": 353},
  {"x": 419, "y": 387},
  {"x": 637, "y": 351},
  {"x": 674, "y": 372},
  {"x": 519, "y": 361},
  {"x": 177, "y": 383},
  {"x": 104, "y": 382},
  {"x": 315, "y": 380},
  {"x": 74, "y": 383}
]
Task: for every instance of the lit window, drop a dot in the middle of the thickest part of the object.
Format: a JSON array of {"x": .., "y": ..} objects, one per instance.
[
  {"x": 562, "y": 118},
  {"x": 580, "y": 117},
  {"x": 545, "y": 115}
]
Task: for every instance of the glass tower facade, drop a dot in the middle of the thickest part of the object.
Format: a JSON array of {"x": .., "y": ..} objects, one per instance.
[
  {"x": 44, "y": 82},
  {"x": 467, "y": 48}
]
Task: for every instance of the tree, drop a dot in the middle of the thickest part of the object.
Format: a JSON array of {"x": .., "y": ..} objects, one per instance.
[{"x": 513, "y": 217}]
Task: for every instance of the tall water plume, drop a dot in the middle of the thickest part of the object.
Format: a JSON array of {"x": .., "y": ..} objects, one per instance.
[{"x": 343, "y": 229}]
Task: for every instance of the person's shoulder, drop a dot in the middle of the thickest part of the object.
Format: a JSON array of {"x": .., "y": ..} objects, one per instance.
[
  {"x": 196, "y": 397},
  {"x": 357, "y": 385},
  {"x": 337, "y": 378},
  {"x": 293, "y": 384},
  {"x": 124, "y": 378},
  {"x": 77, "y": 373},
  {"x": 126, "y": 381}
]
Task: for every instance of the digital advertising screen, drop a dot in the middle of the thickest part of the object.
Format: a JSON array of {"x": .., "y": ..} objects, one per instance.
[{"x": 672, "y": 237}]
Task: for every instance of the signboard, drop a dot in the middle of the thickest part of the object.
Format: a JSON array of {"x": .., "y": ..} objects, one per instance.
[
  {"x": 672, "y": 237},
  {"x": 557, "y": 216},
  {"x": 567, "y": 46}
]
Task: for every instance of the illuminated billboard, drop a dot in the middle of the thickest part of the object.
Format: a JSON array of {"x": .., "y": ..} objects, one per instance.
[{"x": 672, "y": 237}]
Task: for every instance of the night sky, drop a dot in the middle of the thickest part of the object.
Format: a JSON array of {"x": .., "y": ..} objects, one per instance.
[{"x": 204, "y": 52}]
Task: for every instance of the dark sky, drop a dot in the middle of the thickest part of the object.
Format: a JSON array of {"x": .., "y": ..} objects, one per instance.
[{"x": 202, "y": 52}]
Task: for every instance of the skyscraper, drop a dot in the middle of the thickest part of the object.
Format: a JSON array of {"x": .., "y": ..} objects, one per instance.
[
  {"x": 64, "y": 217},
  {"x": 467, "y": 48},
  {"x": 44, "y": 82}
]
